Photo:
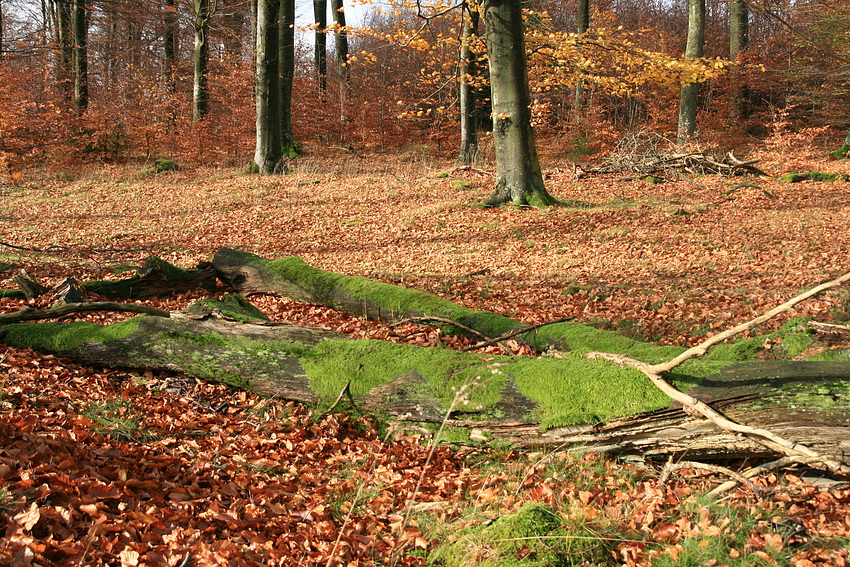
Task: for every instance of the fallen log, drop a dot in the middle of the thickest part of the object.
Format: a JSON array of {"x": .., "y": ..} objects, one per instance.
[{"x": 569, "y": 401}]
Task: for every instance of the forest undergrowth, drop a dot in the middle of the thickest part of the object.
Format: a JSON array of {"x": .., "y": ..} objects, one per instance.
[{"x": 104, "y": 467}]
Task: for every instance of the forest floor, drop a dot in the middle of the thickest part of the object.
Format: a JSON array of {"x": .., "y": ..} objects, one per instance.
[{"x": 102, "y": 467}]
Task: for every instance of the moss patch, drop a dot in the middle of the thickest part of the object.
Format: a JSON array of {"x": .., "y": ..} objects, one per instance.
[
  {"x": 65, "y": 337},
  {"x": 232, "y": 306},
  {"x": 535, "y": 536}
]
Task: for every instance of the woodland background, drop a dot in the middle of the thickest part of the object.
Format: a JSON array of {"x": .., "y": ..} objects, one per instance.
[{"x": 403, "y": 78}]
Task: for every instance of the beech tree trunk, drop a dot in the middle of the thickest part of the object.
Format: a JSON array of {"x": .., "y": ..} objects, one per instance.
[
  {"x": 690, "y": 90},
  {"x": 286, "y": 72},
  {"x": 169, "y": 36},
  {"x": 80, "y": 28},
  {"x": 518, "y": 177},
  {"x": 341, "y": 48},
  {"x": 320, "y": 51},
  {"x": 201, "y": 97},
  {"x": 468, "y": 99},
  {"x": 581, "y": 28},
  {"x": 268, "y": 154},
  {"x": 739, "y": 40}
]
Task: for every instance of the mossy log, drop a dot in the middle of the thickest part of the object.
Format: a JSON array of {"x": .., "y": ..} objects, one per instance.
[{"x": 571, "y": 401}]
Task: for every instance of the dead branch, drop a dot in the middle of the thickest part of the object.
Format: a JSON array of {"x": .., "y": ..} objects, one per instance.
[
  {"x": 738, "y": 478},
  {"x": 521, "y": 331},
  {"x": 29, "y": 314},
  {"x": 701, "y": 348}
]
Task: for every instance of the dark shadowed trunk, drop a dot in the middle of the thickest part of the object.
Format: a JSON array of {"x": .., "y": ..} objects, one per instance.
[
  {"x": 341, "y": 47},
  {"x": 286, "y": 71},
  {"x": 80, "y": 28},
  {"x": 267, "y": 155},
  {"x": 320, "y": 51},
  {"x": 518, "y": 176},
  {"x": 583, "y": 25}
]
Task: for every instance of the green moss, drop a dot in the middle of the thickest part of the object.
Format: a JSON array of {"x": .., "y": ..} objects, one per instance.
[
  {"x": 12, "y": 293},
  {"x": 534, "y": 536},
  {"x": 653, "y": 179},
  {"x": 232, "y": 306},
  {"x": 840, "y": 355},
  {"x": 66, "y": 337},
  {"x": 813, "y": 176},
  {"x": 840, "y": 152}
]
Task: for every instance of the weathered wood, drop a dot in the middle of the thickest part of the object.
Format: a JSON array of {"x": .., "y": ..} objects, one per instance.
[
  {"x": 62, "y": 310},
  {"x": 804, "y": 401},
  {"x": 156, "y": 278},
  {"x": 30, "y": 287},
  {"x": 291, "y": 277}
]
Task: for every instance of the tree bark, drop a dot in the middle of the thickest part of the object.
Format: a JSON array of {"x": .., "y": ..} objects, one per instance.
[
  {"x": 201, "y": 97},
  {"x": 739, "y": 40},
  {"x": 690, "y": 90},
  {"x": 286, "y": 72},
  {"x": 341, "y": 48},
  {"x": 468, "y": 99},
  {"x": 581, "y": 29},
  {"x": 80, "y": 28},
  {"x": 268, "y": 153},
  {"x": 169, "y": 36},
  {"x": 518, "y": 177},
  {"x": 320, "y": 51}
]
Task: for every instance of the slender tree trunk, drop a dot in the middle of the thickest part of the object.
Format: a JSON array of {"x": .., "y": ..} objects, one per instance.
[
  {"x": 320, "y": 52},
  {"x": 341, "y": 48},
  {"x": 693, "y": 49},
  {"x": 170, "y": 45},
  {"x": 2, "y": 47},
  {"x": 739, "y": 40},
  {"x": 268, "y": 155},
  {"x": 286, "y": 71},
  {"x": 61, "y": 13},
  {"x": 583, "y": 25},
  {"x": 468, "y": 71},
  {"x": 79, "y": 25},
  {"x": 200, "y": 98},
  {"x": 518, "y": 176}
]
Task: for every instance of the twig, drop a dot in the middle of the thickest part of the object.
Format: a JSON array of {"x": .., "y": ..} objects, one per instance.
[
  {"x": 520, "y": 331},
  {"x": 464, "y": 328},
  {"x": 768, "y": 467},
  {"x": 345, "y": 392},
  {"x": 739, "y": 478},
  {"x": 29, "y": 314},
  {"x": 701, "y": 348}
]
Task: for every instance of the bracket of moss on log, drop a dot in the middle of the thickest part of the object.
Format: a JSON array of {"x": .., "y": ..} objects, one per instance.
[{"x": 593, "y": 404}]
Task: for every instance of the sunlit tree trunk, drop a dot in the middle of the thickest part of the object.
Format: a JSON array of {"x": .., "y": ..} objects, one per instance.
[
  {"x": 267, "y": 155},
  {"x": 693, "y": 49},
  {"x": 583, "y": 25},
  {"x": 320, "y": 51},
  {"x": 341, "y": 48},
  {"x": 170, "y": 44},
  {"x": 739, "y": 40},
  {"x": 79, "y": 26},
  {"x": 468, "y": 71},
  {"x": 2, "y": 48},
  {"x": 518, "y": 176},
  {"x": 201, "y": 97},
  {"x": 286, "y": 72}
]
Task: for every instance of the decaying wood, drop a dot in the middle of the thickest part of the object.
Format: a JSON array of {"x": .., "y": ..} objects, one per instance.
[
  {"x": 692, "y": 405},
  {"x": 29, "y": 314},
  {"x": 28, "y": 285}
]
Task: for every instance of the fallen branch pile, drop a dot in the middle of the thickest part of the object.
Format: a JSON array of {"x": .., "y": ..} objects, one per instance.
[{"x": 647, "y": 153}]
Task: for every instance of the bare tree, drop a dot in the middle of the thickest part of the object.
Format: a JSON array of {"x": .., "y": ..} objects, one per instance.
[{"x": 690, "y": 90}]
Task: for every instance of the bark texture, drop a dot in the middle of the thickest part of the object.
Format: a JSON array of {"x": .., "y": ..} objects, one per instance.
[
  {"x": 468, "y": 72},
  {"x": 690, "y": 90},
  {"x": 518, "y": 176},
  {"x": 200, "y": 92},
  {"x": 268, "y": 154}
]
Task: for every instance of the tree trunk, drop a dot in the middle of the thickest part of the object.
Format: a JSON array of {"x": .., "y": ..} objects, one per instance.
[
  {"x": 341, "y": 47},
  {"x": 739, "y": 40},
  {"x": 169, "y": 22},
  {"x": 690, "y": 90},
  {"x": 320, "y": 51},
  {"x": 79, "y": 25},
  {"x": 201, "y": 97},
  {"x": 61, "y": 14},
  {"x": 581, "y": 29},
  {"x": 286, "y": 72},
  {"x": 518, "y": 176},
  {"x": 468, "y": 72},
  {"x": 268, "y": 156},
  {"x": 530, "y": 401}
]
